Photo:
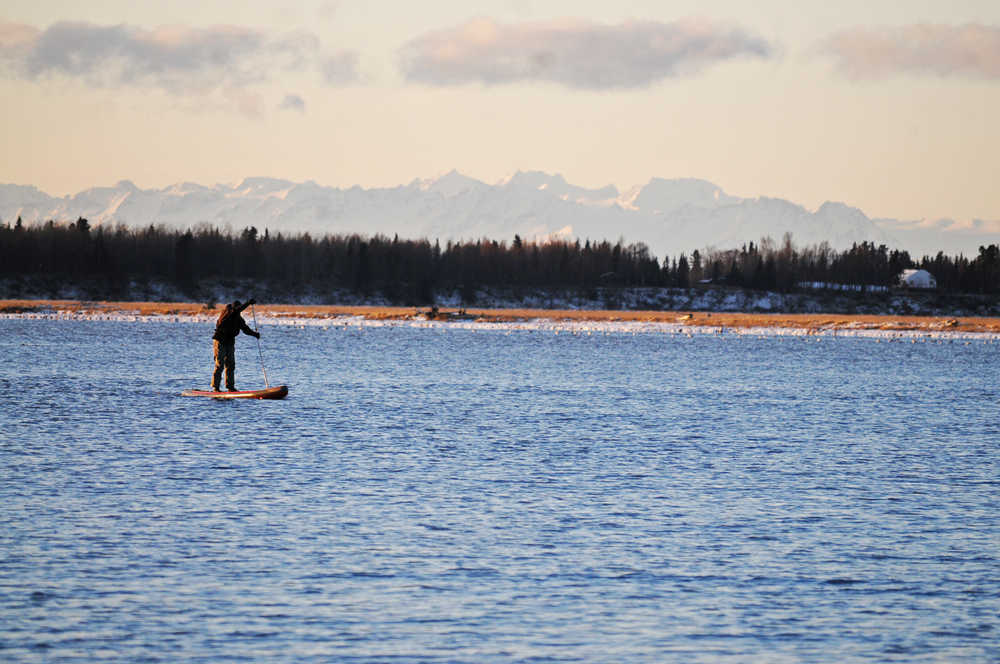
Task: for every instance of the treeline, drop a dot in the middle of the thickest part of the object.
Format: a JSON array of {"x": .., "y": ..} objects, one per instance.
[{"x": 412, "y": 271}]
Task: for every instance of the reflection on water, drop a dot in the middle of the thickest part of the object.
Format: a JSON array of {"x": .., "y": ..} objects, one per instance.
[{"x": 492, "y": 496}]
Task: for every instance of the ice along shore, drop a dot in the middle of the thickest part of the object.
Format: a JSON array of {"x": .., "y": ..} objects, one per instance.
[{"x": 569, "y": 319}]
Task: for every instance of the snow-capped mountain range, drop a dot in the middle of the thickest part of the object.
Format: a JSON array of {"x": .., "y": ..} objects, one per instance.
[{"x": 671, "y": 216}]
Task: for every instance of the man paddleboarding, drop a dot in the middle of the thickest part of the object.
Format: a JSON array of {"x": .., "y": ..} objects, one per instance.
[{"x": 229, "y": 324}]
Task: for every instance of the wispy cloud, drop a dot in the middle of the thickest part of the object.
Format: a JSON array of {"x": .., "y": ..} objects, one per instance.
[
  {"x": 177, "y": 59},
  {"x": 341, "y": 68},
  {"x": 293, "y": 103},
  {"x": 575, "y": 53},
  {"x": 942, "y": 50},
  {"x": 16, "y": 38}
]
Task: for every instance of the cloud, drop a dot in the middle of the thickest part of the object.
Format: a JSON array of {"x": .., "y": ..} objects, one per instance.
[
  {"x": 328, "y": 10},
  {"x": 574, "y": 53},
  {"x": 177, "y": 59},
  {"x": 341, "y": 68},
  {"x": 971, "y": 226},
  {"x": 293, "y": 103},
  {"x": 981, "y": 226},
  {"x": 16, "y": 38},
  {"x": 874, "y": 53}
]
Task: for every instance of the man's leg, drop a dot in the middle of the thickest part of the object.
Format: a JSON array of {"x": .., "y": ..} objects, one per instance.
[
  {"x": 219, "y": 363},
  {"x": 231, "y": 366}
]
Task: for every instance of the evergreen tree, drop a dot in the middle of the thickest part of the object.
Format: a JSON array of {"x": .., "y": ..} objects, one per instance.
[{"x": 683, "y": 272}]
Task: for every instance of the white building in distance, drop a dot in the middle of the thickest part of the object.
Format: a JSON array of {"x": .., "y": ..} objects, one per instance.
[{"x": 917, "y": 279}]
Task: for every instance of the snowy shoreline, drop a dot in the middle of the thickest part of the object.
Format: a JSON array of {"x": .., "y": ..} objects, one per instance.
[{"x": 335, "y": 321}]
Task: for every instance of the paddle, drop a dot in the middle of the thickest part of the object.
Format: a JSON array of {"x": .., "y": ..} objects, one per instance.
[{"x": 260, "y": 355}]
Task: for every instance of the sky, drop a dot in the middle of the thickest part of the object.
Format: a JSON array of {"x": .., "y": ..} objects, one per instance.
[{"x": 889, "y": 106}]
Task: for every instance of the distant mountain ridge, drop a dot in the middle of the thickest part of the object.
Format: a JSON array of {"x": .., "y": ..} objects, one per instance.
[{"x": 671, "y": 216}]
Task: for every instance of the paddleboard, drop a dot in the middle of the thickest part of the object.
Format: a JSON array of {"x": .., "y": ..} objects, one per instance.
[{"x": 277, "y": 392}]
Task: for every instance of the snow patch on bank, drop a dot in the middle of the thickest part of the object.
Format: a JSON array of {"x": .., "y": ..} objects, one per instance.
[
  {"x": 706, "y": 298},
  {"x": 541, "y": 325}
]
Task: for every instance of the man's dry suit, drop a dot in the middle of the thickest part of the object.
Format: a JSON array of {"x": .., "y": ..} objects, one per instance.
[{"x": 229, "y": 324}]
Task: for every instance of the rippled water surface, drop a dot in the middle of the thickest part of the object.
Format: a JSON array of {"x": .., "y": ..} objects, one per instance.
[{"x": 450, "y": 495}]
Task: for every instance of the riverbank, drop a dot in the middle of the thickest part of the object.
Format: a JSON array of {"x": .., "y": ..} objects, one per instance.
[
  {"x": 700, "y": 319},
  {"x": 706, "y": 298}
]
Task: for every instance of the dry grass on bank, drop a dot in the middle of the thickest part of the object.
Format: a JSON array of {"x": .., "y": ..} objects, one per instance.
[{"x": 713, "y": 319}]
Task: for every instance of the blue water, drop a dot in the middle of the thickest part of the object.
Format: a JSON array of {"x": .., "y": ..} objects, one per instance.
[{"x": 447, "y": 495}]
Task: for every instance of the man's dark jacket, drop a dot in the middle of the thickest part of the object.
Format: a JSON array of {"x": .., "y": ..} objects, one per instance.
[{"x": 230, "y": 323}]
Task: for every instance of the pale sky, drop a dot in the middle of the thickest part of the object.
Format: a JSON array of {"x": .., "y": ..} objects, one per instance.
[{"x": 890, "y": 106}]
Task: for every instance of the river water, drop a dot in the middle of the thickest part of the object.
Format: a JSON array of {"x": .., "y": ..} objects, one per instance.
[{"x": 435, "y": 494}]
